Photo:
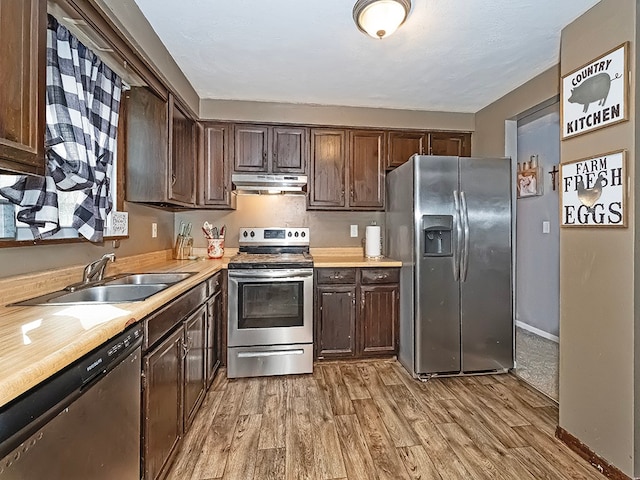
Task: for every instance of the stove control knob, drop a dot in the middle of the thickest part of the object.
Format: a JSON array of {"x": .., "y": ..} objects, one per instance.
[
  {"x": 303, "y": 234},
  {"x": 244, "y": 234},
  {"x": 289, "y": 234},
  {"x": 253, "y": 234},
  {"x": 296, "y": 234}
]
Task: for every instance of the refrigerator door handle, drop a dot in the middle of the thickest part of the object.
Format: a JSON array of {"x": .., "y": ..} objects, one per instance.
[
  {"x": 464, "y": 262},
  {"x": 457, "y": 251}
]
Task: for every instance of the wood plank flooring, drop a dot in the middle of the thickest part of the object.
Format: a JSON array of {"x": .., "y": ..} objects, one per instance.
[{"x": 370, "y": 420}]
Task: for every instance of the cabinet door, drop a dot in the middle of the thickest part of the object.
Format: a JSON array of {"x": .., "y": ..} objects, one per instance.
[
  {"x": 328, "y": 164},
  {"x": 450, "y": 143},
  {"x": 289, "y": 150},
  {"x": 214, "y": 317},
  {"x": 378, "y": 320},
  {"x": 194, "y": 363},
  {"x": 401, "y": 145},
  {"x": 147, "y": 148},
  {"x": 162, "y": 397},
  {"x": 335, "y": 321},
  {"x": 366, "y": 172},
  {"x": 182, "y": 145},
  {"x": 250, "y": 148},
  {"x": 23, "y": 26},
  {"x": 214, "y": 180}
]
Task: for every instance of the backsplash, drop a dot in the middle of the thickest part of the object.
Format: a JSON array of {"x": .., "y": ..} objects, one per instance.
[{"x": 328, "y": 229}]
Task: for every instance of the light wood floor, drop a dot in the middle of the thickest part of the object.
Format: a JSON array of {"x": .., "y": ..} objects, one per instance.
[{"x": 371, "y": 420}]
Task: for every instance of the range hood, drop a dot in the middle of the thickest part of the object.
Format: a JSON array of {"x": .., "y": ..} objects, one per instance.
[{"x": 268, "y": 183}]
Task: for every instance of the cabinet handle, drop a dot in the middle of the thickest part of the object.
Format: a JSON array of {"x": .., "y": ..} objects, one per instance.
[
  {"x": 185, "y": 350},
  {"x": 173, "y": 180},
  {"x": 381, "y": 276},
  {"x": 337, "y": 276}
]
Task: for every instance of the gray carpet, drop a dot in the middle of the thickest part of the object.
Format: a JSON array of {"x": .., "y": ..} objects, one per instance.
[{"x": 537, "y": 362}]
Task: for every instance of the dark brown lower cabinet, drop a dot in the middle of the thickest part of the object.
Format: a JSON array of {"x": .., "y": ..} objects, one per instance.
[
  {"x": 345, "y": 327},
  {"x": 378, "y": 306},
  {"x": 214, "y": 324},
  {"x": 336, "y": 320},
  {"x": 179, "y": 364},
  {"x": 162, "y": 404},
  {"x": 194, "y": 363}
]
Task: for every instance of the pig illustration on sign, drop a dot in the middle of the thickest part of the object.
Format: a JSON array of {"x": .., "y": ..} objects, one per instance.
[{"x": 593, "y": 89}]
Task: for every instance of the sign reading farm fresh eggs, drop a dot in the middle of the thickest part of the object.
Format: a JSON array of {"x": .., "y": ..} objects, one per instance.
[
  {"x": 594, "y": 192},
  {"x": 595, "y": 95}
]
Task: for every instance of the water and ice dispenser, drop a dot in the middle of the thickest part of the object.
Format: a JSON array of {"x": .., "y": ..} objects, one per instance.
[{"x": 437, "y": 233}]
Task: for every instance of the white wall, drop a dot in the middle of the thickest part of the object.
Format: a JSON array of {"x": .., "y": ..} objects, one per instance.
[{"x": 538, "y": 254}]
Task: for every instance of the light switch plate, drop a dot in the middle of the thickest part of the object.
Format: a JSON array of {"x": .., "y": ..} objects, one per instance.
[
  {"x": 354, "y": 230},
  {"x": 546, "y": 227}
]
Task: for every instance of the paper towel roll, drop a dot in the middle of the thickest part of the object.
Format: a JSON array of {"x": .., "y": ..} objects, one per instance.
[{"x": 372, "y": 241}]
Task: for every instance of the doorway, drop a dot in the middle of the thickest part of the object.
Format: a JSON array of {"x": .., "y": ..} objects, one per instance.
[{"x": 537, "y": 266}]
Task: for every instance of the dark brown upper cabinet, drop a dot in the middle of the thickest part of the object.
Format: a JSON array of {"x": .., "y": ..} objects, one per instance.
[
  {"x": 214, "y": 179},
  {"x": 23, "y": 28},
  {"x": 327, "y": 169},
  {"x": 182, "y": 145},
  {"x": 450, "y": 143},
  {"x": 366, "y": 169},
  {"x": 403, "y": 144},
  {"x": 347, "y": 169},
  {"x": 161, "y": 151},
  {"x": 270, "y": 149}
]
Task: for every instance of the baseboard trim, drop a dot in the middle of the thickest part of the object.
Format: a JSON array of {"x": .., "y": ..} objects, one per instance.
[
  {"x": 537, "y": 331},
  {"x": 590, "y": 456}
]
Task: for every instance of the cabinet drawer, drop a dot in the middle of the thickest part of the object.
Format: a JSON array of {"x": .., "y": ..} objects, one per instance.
[
  {"x": 214, "y": 284},
  {"x": 379, "y": 275},
  {"x": 159, "y": 323},
  {"x": 336, "y": 275}
]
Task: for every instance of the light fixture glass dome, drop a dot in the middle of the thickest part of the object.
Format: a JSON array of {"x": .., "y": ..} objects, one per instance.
[{"x": 380, "y": 18}]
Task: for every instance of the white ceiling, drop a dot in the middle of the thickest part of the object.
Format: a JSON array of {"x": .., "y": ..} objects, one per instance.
[{"x": 450, "y": 55}]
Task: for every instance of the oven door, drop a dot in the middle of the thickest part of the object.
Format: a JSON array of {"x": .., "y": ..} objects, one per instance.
[{"x": 270, "y": 307}]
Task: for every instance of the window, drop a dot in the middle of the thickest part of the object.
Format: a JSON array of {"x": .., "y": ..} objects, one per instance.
[{"x": 79, "y": 192}]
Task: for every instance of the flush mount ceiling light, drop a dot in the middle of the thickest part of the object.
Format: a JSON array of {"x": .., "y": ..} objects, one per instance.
[{"x": 380, "y": 18}]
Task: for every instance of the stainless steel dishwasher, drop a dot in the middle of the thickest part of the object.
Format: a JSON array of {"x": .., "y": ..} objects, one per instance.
[{"x": 83, "y": 423}]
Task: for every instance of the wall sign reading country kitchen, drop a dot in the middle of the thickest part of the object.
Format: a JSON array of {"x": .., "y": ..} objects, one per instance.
[
  {"x": 594, "y": 192},
  {"x": 595, "y": 95}
]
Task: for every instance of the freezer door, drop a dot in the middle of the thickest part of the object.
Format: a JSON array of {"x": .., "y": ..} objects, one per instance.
[
  {"x": 437, "y": 313},
  {"x": 486, "y": 308}
]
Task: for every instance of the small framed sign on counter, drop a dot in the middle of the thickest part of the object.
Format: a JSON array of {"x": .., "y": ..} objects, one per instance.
[
  {"x": 595, "y": 95},
  {"x": 594, "y": 191}
]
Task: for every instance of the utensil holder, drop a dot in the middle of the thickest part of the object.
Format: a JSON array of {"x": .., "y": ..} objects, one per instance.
[
  {"x": 215, "y": 247},
  {"x": 183, "y": 247}
]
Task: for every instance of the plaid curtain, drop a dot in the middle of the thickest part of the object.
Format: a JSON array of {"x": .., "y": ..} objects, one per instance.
[{"x": 82, "y": 105}]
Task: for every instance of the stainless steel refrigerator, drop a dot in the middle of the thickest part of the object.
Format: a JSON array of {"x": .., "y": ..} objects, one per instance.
[{"x": 449, "y": 219}]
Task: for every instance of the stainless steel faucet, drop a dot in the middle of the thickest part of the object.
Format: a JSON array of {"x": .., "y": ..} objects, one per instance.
[{"x": 95, "y": 270}]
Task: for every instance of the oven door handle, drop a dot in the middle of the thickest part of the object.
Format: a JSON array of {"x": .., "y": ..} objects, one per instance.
[{"x": 271, "y": 274}]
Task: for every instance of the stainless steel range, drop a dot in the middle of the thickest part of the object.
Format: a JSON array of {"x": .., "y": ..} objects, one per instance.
[{"x": 271, "y": 303}]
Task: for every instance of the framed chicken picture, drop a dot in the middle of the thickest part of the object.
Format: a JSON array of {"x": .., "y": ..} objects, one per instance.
[
  {"x": 595, "y": 95},
  {"x": 594, "y": 191}
]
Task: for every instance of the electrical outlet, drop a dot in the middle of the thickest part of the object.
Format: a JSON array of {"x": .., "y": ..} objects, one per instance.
[
  {"x": 154, "y": 230},
  {"x": 354, "y": 230}
]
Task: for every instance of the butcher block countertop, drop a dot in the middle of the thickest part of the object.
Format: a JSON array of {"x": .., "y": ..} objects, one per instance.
[
  {"x": 36, "y": 342},
  {"x": 348, "y": 257},
  {"x": 39, "y": 341}
]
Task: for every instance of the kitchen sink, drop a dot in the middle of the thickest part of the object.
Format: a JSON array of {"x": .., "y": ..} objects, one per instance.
[
  {"x": 149, "y": 278},
  {"x": 97, "y": 294},
  {"x": 128, "y": 287}
]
